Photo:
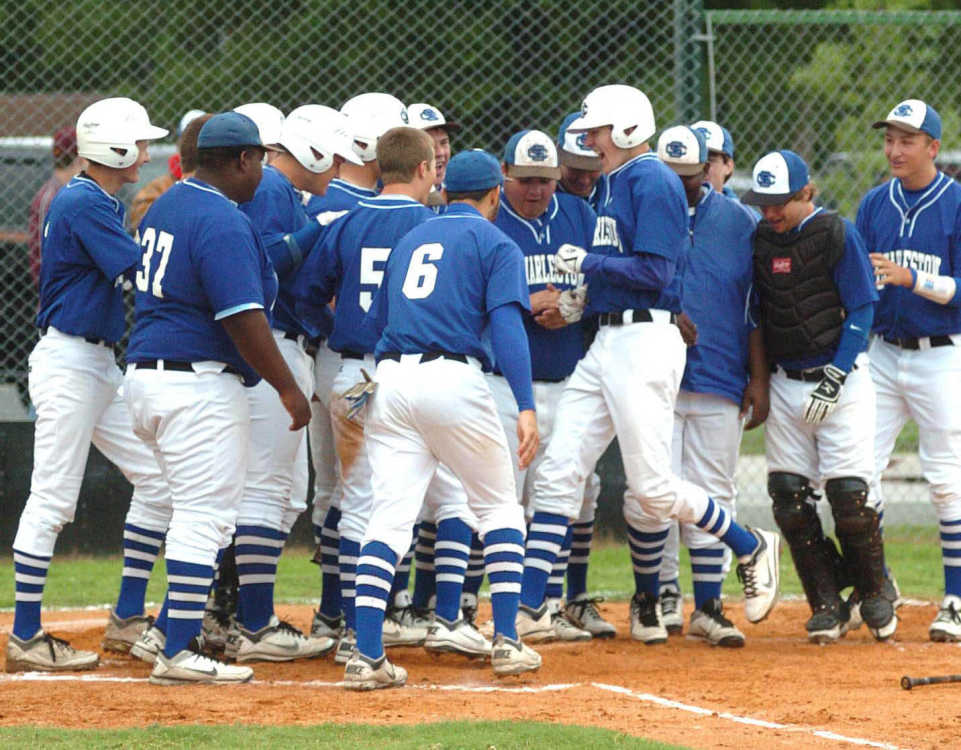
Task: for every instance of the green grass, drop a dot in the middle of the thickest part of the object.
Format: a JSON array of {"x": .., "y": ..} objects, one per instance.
[
  {"x": 913, "y": 553},
  {"x": 501, "y": 735},
  {"x": 752, "y": 442}
]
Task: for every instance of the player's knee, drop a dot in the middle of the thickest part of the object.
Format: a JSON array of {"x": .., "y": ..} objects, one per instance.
[
  {"x": 853, "y": 517},
  {"x": 793, "y": 510}
]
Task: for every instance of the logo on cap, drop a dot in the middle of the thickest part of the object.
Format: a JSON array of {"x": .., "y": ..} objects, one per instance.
[
  {"x": 429, "y": 114},
  {"x": 903, "y": 110},
  {"x": 705, "y": 132},
  {"x": 584, "y": 109},
  {"x": 537, "y": 152},
  {"x": 581, "y": 141},
  {"x": 675, "y": 149},
  {"x": 766, "y": 179}
]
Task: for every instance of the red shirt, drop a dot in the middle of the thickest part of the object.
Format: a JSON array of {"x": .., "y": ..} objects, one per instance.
[{"x": 38, "y": 212}]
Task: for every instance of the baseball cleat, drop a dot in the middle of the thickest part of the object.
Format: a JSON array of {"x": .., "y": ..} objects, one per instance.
[
  {"x": 584, "y": 614},
  {"x": 854, "y": 620},
  {"x": 362, "y": 673},
  {"x": 189, "y": 666},
  {"x": 345, "y": 647},
  {"x": 509, "y": 657},
  {"x": 564, "y": 629},
  {"x": 403, "y": 625},
  {"x": 709, "y": 624},
  {"x": 150, "y": 643},
  {"x": 824, "y": 626},
  {"x": 468, "y": 607},
  {"x": 216, "y": 630},
  {"x": 761, "y": 574},
  {"x": 946, "y": 627},
  {"x": 122, "y": 633},
  {"x": 279, "y": 641},
  {"x": 326, "y": 627},
  {"x": 534, "y": 625},
  {"x": 671, "y": 606},
  {"x": 46, "y": 653},
  {"x": 458, "y": 637},
  {"x": 878, "y": 614},
  {"x": 646, "y": 625}
]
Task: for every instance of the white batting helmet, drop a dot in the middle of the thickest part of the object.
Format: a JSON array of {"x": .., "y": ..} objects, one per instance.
[
  {"x": 622, "y": 107},
  {"x": 371, "y": 115},
  {"x": 313, "y": 133},
  {"x": 269, "y": 120},
  {"x": 108, "y": 131}
]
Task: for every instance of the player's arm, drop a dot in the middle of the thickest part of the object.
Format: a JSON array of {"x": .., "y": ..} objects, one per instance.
[
  {"x": 106, "y": 241},
  {"x": 288, "y": 251},
  {"x": 640, "y": 271},
  {"x": 756, "y": 400},
  {"x": 512, "y": 353}
]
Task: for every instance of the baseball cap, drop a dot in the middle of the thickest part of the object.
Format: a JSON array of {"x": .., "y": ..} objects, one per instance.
[
  {"x": 65, "y": 142},
  {"x": 683, "y": 149},
  {"x": 571, "y": 149},
  {"x": 427, "y": 116},
  {"x": 229, "y": 129},
  {"x": 531, "y": 153},
  {"x": 777, "y": 176},
  {"x": 190, "y": 114},
  {"x": 472, "y": 170},
  {"x": 914, "y": 116},
  {"x": 717, "y": 136}
]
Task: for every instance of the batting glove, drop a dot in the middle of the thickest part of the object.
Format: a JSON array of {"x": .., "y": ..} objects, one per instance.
[
  {"x": 824, "y": 399},
  {"x": 571, "y": 303},
  {"x": 359, "y": 394},
  {"x": 568, "y": 258}
]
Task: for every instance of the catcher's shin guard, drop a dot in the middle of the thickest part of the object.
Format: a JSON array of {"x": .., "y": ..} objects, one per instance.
[{"x": 858, "y": 530}]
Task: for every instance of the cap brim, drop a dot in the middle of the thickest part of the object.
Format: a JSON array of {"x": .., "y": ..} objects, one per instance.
[
  {"x": 720, "y": 151},
  {"x": 686, "y": 170},
  {"x": 896, "y": 124},
  {"x": 450, "y": 125},
  {"x": 272, "y": 147},
  {"x": 551, "y": 173},
  {"x": 577, "y": 161},
  {"x": 753, "y": 198}
]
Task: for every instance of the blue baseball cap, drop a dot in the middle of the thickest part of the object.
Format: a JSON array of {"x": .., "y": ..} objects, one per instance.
[
  {"x": 683, "y": 149},
  {"x": 571, "y": 149},
  {"x": 914, "y": 116},
  {"x": 229, "y": 129},
  {"x": 472, "y": 170},
  {"x": 777, "y": 176},
  {"x": 531, "y": 153},
  {"x": 718, "y": 137}
]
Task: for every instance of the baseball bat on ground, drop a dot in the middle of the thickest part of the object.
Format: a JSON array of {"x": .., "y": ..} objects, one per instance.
[{"x": 909, "y": 682}]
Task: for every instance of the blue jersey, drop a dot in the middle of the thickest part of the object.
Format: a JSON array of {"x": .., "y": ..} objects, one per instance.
[
  {"x": 85, "y": 253},
  {"x": 203, "y": 261},
  {"x": 923, "y": 234},
  {"x": 716, "y": 292},
  {"x": 276, "y": 210},
  {"x": 442, "y": 280},
  {"x": 349, "y": 261},
  {"x": 568, "y": 219},
  {"x": 642, "y": 208},
  {"x": 341, "y": 196}
]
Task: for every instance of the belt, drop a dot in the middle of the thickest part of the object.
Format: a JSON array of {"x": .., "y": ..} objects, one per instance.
[
  {"x": 352, "y": 355},
  {"x": 634, "y": 316},
  {"x": 536, "y": 380},
  {"x": 88, "y": 339},
  {"x": 811, "y": 375},
  {"x": 426, "y": 357},
  {"x": 175, "y": 365},
  {"x": 925, "y": 342}
]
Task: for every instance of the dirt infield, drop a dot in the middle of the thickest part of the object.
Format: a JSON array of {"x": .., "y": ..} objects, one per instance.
[{"x": 777, "y": 692}]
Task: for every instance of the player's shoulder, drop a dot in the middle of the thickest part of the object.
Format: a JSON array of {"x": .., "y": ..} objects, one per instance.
[
  {"x": 273, "y": 182},
  {"x": 732, "y": 207},
  {"x": 83, "y": 194},
  {"x": 573, "y": 205}
]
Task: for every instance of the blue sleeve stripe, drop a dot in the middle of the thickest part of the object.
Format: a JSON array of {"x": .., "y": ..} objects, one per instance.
[{"x": 238, "y": 308}]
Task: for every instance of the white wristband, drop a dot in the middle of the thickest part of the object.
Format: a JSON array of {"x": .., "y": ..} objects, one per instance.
[{"x": 938, "y": 289}]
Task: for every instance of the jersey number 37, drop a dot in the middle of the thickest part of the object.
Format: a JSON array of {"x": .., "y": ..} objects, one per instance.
[{"x": 153, "y": 242}]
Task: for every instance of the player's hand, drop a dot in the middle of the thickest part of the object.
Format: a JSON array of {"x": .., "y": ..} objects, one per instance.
[
  {"x": 888, "y": 272},
  {"x": 551, "y": 319},
  {"x": 544, "y": 300},
  {"x": 824, "y": 399},
  {"x": 571, "y": 304},
  {"x": 568, "y": 258},
  {"x": 297, "y": 406},
  {"x": 687, "y": 328},
  {"x": 756, "y": 402},
  {"x": 527, "y": 437}
]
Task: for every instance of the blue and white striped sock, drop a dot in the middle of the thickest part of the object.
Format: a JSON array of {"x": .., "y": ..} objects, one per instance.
[
  {"x": 329, "y": 565},
  {"x": 140, "y": 549},
  {"x": 475, "y": 567},
  {"x": 581, "y": 535},
  {"x": 555, "y": 584},
  {"x": 504, "y": 561},
  {"x": 402, "y": 574},
  {"x": 30, "y": 576},
  {"x": 451, "y": 555},
  {"x": 424, "y": 584},
  {"x": 545, "y": 537},
  {"x": 707, "y": 573},
  {"x": 349, "y": 552},
  {"x": 951, "y": 556},
  {"x": 718, "y": 522},
  {"x": 189, "y": 585},
  {"x": 647, "y": 548},
  {"x": 375, "y": 573},
  {"x": 258, "y": 549}
]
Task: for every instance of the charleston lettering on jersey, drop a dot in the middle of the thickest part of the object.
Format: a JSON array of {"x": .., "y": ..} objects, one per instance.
[
  {"x": 605, "y": 235},
  {"x": 540, "y": 270},
  {"x": 915, "y": 259}
]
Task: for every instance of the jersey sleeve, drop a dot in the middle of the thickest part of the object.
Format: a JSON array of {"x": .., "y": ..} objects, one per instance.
[
  {"x": 100, "y": 229},
  {"x": 660, "y": 219},
  {"x": 863, "y": 221},
  {"x": 506, "y": 278},
  {"x": 853, "y": 275},
  {"x": 230, "y": 269}
]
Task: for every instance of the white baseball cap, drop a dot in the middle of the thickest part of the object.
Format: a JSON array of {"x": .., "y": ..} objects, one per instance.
[
  {"x": 571, "y": 149},
  {"x": 531, "y": 153},
  {"x": 718, "y": 137},
  {"x": 914, "y": 116},
  {"x": 190, "y": 114},
  {"x": 683, "y": 149},
  {"x": 427, "y": 116},
  {"x": 777, "y": 176}
]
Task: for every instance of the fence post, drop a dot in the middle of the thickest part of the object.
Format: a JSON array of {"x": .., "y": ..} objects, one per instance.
[{"x": 688, "y": 59}]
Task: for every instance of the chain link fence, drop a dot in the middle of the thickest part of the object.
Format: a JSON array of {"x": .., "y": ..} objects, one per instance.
[{"x": 812, "y": 81}]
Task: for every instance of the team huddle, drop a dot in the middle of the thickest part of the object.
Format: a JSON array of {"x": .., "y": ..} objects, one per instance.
[{"x": 453, "y": 342}]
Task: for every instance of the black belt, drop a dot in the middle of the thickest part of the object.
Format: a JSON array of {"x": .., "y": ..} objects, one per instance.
[
  {"x": 537, "y": 380},
  {"x": 909, "y": 343},
  {"x": 811, "y": 375},
  {"x": 426, "y": 357},
  {"x": 351, "y": 355},
  {"x": 88, "y": 339},
  {"x": 176, "y": 365},
  {"x": 635, "y": 316}
]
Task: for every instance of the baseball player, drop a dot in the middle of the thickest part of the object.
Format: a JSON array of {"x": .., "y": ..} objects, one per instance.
[
  {"x": 720, "y": 149},
  {"x": 725, "y": 377},
  {"x": 816, "y": 300},
  {"x": 444, "y": 283},
  {"x": 580, "y": 167},
  {"x": 204, "y": 287},
  {"x": 429, "y": 118},
  {"x": 912, "y": 228},
  {"x": 627, "y": 383},
  {"x": 74, "y": 381}
]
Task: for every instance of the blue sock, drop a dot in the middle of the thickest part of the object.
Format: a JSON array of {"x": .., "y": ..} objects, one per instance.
[
  {"x": 329, "y": 565},
  {"x": 545, "y": 537},
  {"x": 161, "y": 622},
  {"x": 951, "y": 556},
  {"x": 349, "y": 552},
  {"x": 140, "y": 549},
  {"x": 504, "y": 560},
  {"x": 30, "y": 576},
  {"x": 707, "y": 572},
  {"x": 555, "y": 583},
  {"x": 475, "y": 568},
  {"x": 718, "y": 522},
  {"x": 646, "y": 550},
  {"x": 451, "y": 555},
  {"x": 581, "y": 536},
  {"x": 375, "y": 572},
  {"x": 424, "y": 584},
  {"x": 402, "y": 575},
  {"x": 189, "y": 584},
  {"x": 258, "y": 549}
]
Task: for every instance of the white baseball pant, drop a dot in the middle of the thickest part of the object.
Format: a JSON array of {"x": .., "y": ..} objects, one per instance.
[{"x": 327, "y": 488}]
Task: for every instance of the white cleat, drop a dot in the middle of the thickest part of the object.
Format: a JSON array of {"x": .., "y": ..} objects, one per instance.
[
  {"x": 280, "y": 641},
  {"x": 670, "y": 604},
  {"x": 646, "y": 625},
  {"x": 345, "y": 647},
  {"x": 326, "y": 627},
  {"x": 150, "y": 643},
  {"x": 534, "y": 625},
  {"x": 946, "y": 627},
  {"x": 510, "y": 657},
  {"x": 362, "y": 673},
  {"x": 584, "y": 614},
  {"x": 188, "y": 667},
  {"x": 564, "y": 629},
  {"x": 46, "y": 653},
  {"x": 761, "y": 575},
  {"x": 709, "y": 624},
  {"x": 459, "y": 637},
  {"x": 403, "y": 625},
  {"x": 122, "y": 633}
]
